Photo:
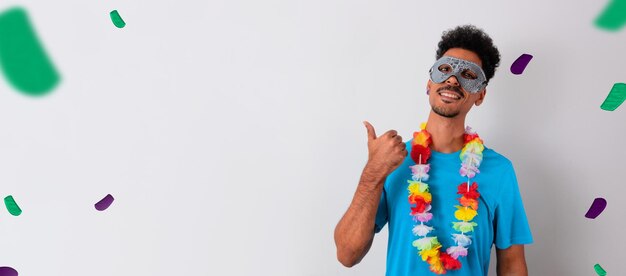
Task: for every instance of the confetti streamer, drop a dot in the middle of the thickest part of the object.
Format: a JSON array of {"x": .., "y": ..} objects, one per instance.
[
  {"x": 22, "y": 57},
  {"x": 7, "y": 271},
  {"x": 104, "y": 203},
  {"x": 520, "y": 64},
  {"x": 615, "y": 98},
  {"x": 596, "y": 208},
  {"x": 117, "y": 19},
  {"x": 613, "y": 17},
  {"x": 12, "y": 206}
]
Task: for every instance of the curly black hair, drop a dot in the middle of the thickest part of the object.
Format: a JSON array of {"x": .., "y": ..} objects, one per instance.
[{"x": 473, "y": 39}]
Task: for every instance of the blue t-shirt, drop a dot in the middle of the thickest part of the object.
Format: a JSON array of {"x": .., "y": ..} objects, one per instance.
[{"x": 501, "y": 218}]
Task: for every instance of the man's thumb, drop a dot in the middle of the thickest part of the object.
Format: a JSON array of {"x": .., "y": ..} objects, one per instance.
[{"x": 371, "y": 133}]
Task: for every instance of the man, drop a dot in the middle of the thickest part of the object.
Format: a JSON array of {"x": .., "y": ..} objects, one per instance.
[{"x": 438, "y": 223}]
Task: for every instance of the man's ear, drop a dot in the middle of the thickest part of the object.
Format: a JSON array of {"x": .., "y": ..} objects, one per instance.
[
  {"x": 428, "y": 84},
  {"x": 481, "y": 97}
]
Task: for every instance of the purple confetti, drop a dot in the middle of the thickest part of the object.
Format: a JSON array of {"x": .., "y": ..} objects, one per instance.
[
  {"x": 104, "y": 203},
  {"x": 596, "y": 208},
  {"x": 7, "y": 271},
  {"x": 520, "y": 63}
]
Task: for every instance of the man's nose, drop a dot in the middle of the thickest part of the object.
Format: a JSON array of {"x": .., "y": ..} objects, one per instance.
[{"x": 452, "y": 80}]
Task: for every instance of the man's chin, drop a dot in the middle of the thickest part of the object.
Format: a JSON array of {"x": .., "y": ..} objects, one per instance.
[{"x": 445, "y": 113}]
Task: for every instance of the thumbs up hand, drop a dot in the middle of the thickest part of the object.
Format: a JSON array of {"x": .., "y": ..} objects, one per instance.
[{"x": 387, "y": 151}]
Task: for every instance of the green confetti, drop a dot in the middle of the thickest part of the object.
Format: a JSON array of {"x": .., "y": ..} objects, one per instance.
[
  {"x": 22, "y": 57},
  {"x": 613, "y": 17},
  {"x": 117, "y": 19},
  {"x": 13, "y": 208},
  {"x": 599, "y": 270},
  {"x": 615, "y": 98}
]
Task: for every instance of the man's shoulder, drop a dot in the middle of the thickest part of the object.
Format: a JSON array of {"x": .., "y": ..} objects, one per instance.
[{"x": 494, "y": 158}]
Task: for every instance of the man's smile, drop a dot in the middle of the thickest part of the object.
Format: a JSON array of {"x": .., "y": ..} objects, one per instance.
[{"x": 449, "y": 96}]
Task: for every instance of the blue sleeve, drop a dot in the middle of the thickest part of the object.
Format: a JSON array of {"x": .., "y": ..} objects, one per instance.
[
  {"x": 381, "y": 215},
  {"x": 511, "y": 225}
]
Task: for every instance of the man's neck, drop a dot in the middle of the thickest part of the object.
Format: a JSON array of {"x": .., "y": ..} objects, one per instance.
[{"x": 446, "y": 133}]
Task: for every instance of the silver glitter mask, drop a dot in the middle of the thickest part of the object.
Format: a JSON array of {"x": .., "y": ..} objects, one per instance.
[{"x": 469, "y": 74}]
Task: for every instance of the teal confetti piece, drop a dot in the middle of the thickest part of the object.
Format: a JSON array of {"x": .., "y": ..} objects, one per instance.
[
  {"x": 23, "y": 59},
  {"x": 117, "y": 19},
  {"x": 613, "y": 17},
  {"x": 615, "y": 98},
  {"x": 13, "y": 208},
  {"x": 599, "y": 270}
]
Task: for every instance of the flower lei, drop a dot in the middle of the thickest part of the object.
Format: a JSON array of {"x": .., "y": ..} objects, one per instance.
[{"x": 420, "y": 199}]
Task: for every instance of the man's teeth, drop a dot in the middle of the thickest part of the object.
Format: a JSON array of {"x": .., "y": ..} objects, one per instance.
[{"x": 450, "y": 95}]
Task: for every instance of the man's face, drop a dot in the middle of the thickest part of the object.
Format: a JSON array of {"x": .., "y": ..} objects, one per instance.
[{"x": 449, "y": 99}]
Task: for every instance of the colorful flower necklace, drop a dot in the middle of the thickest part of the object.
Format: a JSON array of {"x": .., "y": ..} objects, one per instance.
[{"x": 420, "y": 199}]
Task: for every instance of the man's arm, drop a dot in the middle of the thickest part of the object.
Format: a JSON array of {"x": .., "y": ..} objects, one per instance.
[
  {"x": 511, "y": 261},
  {"x": 354, "y": 233}
]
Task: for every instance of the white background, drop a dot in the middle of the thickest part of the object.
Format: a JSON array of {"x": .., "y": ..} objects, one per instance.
[{"x": 230, "y": 132}]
